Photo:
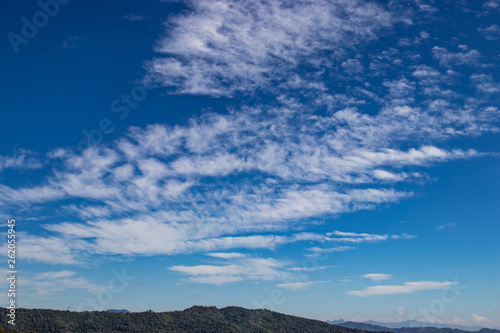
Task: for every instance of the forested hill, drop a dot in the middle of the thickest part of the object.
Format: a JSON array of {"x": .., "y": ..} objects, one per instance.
[{"x": 194, "y": 319}]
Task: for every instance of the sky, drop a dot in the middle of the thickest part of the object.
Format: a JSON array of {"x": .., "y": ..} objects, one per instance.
[{"x": 322, "y": 158}]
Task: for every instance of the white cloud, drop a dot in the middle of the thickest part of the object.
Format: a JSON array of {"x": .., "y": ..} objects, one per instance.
[
  {"x": 485, "y": 85},
  {"x": 42, "y": 249},
  {"x": 474, "y": 319},
  {"x": 215, "y": 279},
  {"x": 150, "y": 237},
  {"x": 48, "y": 283},
  {"x": 491, "y": 32},
  {"x": 251, "y": 177},
  {"x": 406, "y": 288},
  {"x": 320, "y": 250},
  {"x": 445, "y": 226},
  {"x": 492, "y": 4},
  {"x": 296, "y": 286},
  {"x": 54, "y": 275},
  {"x": 448, "y": 59},
  {"x": 352, "y": 66},
  {"x": 286, "y": 176},
  {"x": 222, "y": 47},
  {"x": 29, "y": 195},
  {"x": 427, "y": 75},
  {"x": 310, "y": 269},
  {"x": 403, "y": 236},
  {"x": 427, "y": 8},
  {"x": 399, "y": 311},
  {"x": 226, "y": 255},
  {"x": 242, "y": 269},
  {"x": 352, "y": 237},
  {"x": 377, "y": 277},
  {"x": 22, "y": 160},
  {"x": 479, "y": 319},
  {"x": 386, "y": 175}
]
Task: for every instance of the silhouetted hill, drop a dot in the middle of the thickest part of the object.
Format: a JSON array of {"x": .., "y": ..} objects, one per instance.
[
  {"x": 194, "y": 319},
  {"x": 488, "y": 330},
  {"x": 119, "y": 311},
  {"x": 366, "y": 327}
]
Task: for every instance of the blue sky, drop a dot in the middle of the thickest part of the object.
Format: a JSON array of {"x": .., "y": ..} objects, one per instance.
[{"x": 328, "y": 159}]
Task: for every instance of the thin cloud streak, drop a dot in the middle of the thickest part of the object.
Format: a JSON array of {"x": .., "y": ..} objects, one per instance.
[
  {"x": 377, "y": 277},
  {"x": 406, "y": 288}
]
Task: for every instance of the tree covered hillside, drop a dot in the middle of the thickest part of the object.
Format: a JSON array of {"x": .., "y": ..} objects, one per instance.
[{"x": 194, "y": 319}]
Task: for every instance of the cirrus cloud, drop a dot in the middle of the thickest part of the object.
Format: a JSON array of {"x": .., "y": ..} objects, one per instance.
[{"x": 406, "y": 288}]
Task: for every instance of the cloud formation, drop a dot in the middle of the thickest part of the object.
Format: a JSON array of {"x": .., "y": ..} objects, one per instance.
[
  {"x": 296, "y": 286},
  {"x": 445, "y": 226},
  {"x": 406, "y": 288},
  {"x": 22, "y": 160},
  {"x": 46, "y": 284},
  {"x": 318, "y": 142},
  {"x": 377, "y": 277},
  {"x": 225, "y": 47},
  {"x": 244, "y": 268}
]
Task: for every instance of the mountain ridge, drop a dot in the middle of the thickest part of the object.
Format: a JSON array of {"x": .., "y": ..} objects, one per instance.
[{"x": 194, "y": 319}]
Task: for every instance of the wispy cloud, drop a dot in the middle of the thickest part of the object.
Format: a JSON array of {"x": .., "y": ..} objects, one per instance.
[
  {"x": 135, "y": 17},
  {"x": 54, "y": 275},
  {"x": 485, "y": 84},
  {"x": 353, "y": 237},
  {"x": 406, "y": 288},
  {"x": 296, "y": 286},
  {"x": 445, "y": 226},
  {"x": 48, "y": 283},
  {"x": 252, "y": 177},
  {"x": 222, "y": 48},
  {"x": 448, "y": 59},
  {"x": 479, "y": 319},
  {"x": 148, "y": 237},
  {"x": 491, "y": 32},
  {"x": 22, "y": 160},
  {"x": 377, "y": 277},
  {"x": 321, "y": 250},
  {"x": 474, "y": 319},
  {"x": 242, "y": 269},
  {"x": 42, "y": 249},
  {"x": 310, "y": 269},
  {"x": 226, "y": 255}
]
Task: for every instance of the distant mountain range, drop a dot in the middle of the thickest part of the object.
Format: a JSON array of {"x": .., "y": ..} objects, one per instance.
[
  {"x": 416, "y": 323},
  {"x": 412, "y": 326}
]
